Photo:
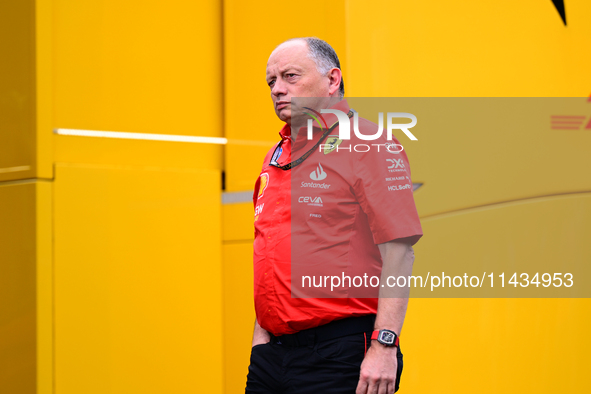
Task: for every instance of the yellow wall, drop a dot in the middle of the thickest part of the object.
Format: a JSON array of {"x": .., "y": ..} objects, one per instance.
[
  {"x": 137, "y": 280},
  {"x": 502, "y": 345},
  {"x": 111, "y": 249},
  {"x": 450, "y": 49},
  {"x": 17, "y": 287},
  {"x": 17, "y": 84},
  {"x": 122, "y": 270},
  {"x": 468, "y": 49},
  {"x": 137, "y": 223}
]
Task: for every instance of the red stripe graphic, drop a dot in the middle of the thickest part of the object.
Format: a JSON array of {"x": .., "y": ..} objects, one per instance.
[{"x": 568, "y": 122}]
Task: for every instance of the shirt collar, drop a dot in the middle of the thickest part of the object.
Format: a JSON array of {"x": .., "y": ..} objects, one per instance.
[
  {"x": 285, "y": 132},
  {"x": 342, "y": 106}
]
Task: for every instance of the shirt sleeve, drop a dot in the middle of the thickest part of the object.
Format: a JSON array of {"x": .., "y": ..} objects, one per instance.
[
  {"x": 257, "y": 184},
  {"x": 384, "y": 190}
]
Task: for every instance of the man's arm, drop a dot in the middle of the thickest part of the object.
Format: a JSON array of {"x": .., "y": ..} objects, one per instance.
[
  {"x": 260, "y": 335},
  {"x": 378, "y": 370}
]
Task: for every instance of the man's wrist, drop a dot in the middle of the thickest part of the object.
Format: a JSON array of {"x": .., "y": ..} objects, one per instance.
[{"x": 385, "y": 337}]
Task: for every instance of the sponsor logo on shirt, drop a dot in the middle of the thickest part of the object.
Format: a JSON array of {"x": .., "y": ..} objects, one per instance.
[
  {"x": 263, "y": 185},
  {"x": 318, "y": 174},
  {"x": 393, "y": 148},
  {"x": 399, "y": 187},
  {"x": 315, "y": 185},
  {"x": 315, "y": 215},
  {"x": 397, "y": 165},
  {"x": 396, "y": 178},
  {"x": 258, "y": 210},
  {"x": 331, "y": 144},
  {"x": 314, "y": 201}
]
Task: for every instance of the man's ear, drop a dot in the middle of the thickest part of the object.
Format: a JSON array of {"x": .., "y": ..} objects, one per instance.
[{"x": 334, "y": 77}]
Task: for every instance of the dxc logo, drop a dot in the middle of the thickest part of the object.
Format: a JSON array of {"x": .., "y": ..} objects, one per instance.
[
  {"x": 396, "y": 163},
  {"x": 345, "y": 125}
]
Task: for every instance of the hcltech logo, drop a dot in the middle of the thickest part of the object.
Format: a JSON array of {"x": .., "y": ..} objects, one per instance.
[
  {"x": 345, "y": 130},
  {"x": 318, "y": 174}
]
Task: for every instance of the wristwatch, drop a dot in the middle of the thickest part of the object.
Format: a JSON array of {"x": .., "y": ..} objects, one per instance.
[{"x": 385, "y": 337}]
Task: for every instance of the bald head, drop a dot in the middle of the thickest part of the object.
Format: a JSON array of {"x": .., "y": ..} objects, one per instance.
[
  {"x": 301, "y": 68},
  {"x": 323, "y": 55}
]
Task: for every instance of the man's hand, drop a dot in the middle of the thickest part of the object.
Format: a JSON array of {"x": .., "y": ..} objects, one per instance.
[
  {"x": 260, "y": 335},
  {"x": 378, "y": 370}
]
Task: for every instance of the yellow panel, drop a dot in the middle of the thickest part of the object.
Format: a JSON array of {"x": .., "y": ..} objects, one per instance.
[
  {"x": 138, "y": 66},
  {"x": 249, "y": 113},
  {"x": 155, "y": 154},
  {"x": 508, "y": 345},
  {"x": 536, "y": 233},
  {"x": 239, "y": 314},
  {"x": 44, "y": 78},
  {"x": 17, "y": 87},
  {"x": 137, "y": 280},
  {"x": 482, "y": 161},
  {"x": 17, "y": 288},
  {"x": 44, "y": 277},
  {"x": 496, "y": 345},
  {"x": 461, "y": 48},
  {"x": 238, "y": 222}
]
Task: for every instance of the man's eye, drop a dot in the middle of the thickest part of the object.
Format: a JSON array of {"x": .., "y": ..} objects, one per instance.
[
  {"x": 271, "y": 83},
  {"x": 290, "y": 75}
]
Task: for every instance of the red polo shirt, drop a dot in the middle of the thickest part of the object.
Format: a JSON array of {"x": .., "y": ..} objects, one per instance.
[{"x": 323, "y": 219}]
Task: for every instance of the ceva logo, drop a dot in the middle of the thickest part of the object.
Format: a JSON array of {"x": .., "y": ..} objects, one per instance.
[
  {"x": 311, "y": 200},
  {"x": 318, "y": 174}
]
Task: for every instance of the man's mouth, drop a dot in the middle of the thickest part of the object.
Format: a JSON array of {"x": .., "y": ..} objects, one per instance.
[{"x": 281, "y": 104}]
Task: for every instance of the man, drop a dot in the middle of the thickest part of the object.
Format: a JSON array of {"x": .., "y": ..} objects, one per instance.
[{"x": 305, "y": 341}]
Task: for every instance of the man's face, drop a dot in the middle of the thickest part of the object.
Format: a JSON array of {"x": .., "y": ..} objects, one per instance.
[{"x": 291, "y": 73}]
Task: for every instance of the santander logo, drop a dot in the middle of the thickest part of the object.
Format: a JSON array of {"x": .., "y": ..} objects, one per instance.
[{"x": 318, "y": 174}]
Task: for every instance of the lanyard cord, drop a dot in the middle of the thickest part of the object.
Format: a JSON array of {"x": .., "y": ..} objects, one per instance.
[{"x": 308, "y": 153}]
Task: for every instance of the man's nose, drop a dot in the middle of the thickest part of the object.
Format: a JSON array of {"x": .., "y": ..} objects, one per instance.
[{"x": 279, "y": 88}]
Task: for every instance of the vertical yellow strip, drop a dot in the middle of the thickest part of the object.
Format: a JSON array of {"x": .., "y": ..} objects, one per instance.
[
  {"x": 17, "y": 288},
  {"x": 44, "y": 258},
  {"x": 43, "y": 91},
  {"x": 44, "y": 195}
]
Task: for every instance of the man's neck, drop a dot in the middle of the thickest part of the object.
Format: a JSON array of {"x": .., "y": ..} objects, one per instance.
[{"x": 299, "y": 124}]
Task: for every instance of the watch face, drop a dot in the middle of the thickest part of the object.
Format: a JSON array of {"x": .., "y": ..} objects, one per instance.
[{"x": 387, "y": 337}]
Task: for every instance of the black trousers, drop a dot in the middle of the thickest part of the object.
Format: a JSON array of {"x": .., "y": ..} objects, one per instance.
[{"x": 311, "y": 366}]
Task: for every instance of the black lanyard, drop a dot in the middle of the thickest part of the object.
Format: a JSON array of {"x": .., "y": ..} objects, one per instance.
[{"x": 308, "y": 153}]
